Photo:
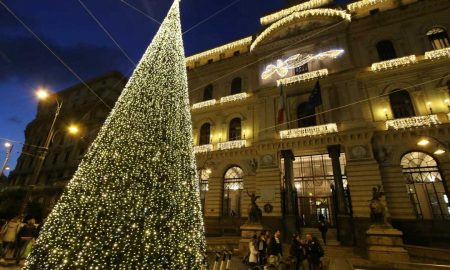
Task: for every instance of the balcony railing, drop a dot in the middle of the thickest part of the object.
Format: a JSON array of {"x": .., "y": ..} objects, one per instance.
[
  {"x": 416, "y": 121},
  {"x": 235, "y": 97},
  {"x": 308, "y": 131},
  {"x": 203, "y": 148},
  {"x": 303, "y": 77},
  {"x": 203, "y": 104},
  {"x": 231, "y": 145},
  {"x": 394, "y": 63},
  {"x": 437, "y": 54}
]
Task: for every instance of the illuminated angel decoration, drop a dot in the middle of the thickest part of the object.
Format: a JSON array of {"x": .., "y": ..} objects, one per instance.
[{"x": 282, "y": 67}]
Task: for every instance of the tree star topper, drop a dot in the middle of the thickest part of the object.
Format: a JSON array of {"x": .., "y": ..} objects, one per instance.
[{"x": 282, "y": 67}]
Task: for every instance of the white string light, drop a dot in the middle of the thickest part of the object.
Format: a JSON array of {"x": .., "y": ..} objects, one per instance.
[
  {"x": 437, "y": 54},
  {"x": 409, "y": 122},
  {"x": 300, "y": 7},
  {"x": 303, "y": 77},
  {"x": 394, "y": 63},
  {"x": 308, "y": 131}
]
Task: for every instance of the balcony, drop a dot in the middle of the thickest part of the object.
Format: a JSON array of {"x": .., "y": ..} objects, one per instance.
[
  {"x": 203, "y": 148},
  {"x": 204, "y": 104},
  {"x": 394, "y": 63},
  {"x": 303, "y": 77},
  {"x": 231, "y": 145},
  {"x": 235, "y": 97},
  {"x": 437, "y": 54},
  {"x": 410, "y": 122},
  {"x": 308, "y": 131}
]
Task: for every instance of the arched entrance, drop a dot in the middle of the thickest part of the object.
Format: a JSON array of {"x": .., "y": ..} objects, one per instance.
[
  {"x": 425, "y": 186},
  {"x": 233, "y": 184}
]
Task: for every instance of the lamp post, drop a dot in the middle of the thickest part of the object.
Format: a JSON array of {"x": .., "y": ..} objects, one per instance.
[{"x": 8, "y": 146}]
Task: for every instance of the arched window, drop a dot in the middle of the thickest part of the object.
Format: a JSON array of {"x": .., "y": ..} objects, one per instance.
[
  {"x": 306, "y": 115},
  {"x": 233, "y": 184},
  {"x": 208, "y": 92},
  {"x": 205, "y": 134},
  {"x": 386, "y": 50},
  {"x": 425, "y": 186},
  {"x": 438, "y": 38},
  {"x": 234, "y": 132},
  {"x": 236, "y": 86},
  {"x": 401, "y": 104}
]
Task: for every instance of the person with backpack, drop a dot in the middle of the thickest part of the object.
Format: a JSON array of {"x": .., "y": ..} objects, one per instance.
[
  {"x": 314, "y": 251},
  {"x": 8, "y": 236}
]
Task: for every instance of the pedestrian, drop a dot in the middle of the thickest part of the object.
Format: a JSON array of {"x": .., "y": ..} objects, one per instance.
[
  {"x": 298, "y": 252},
  {"x": 275, "y": 246},
  {"x": 8, "y": 236},
  {"x": 314, "y": 252},
  {"x": 253, "y": 255},
  {"x": 323, "y": 228},
  {"x": 262, "y": 248},
  {"x": 25, "y": 238}
]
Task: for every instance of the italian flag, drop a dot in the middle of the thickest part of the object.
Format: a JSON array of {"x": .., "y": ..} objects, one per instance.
[{"x": 281, "y": 106}]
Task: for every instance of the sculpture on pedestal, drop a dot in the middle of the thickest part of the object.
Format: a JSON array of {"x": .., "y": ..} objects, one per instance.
[
  {"x": 377, "y": 208},
  {"x": 254, "y": 212}
]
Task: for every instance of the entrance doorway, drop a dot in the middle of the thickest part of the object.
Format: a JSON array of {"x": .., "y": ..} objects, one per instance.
[{"x": 313, "y": 178}]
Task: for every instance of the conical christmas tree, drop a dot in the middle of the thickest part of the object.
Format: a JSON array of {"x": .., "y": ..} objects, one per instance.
[{"x": 134, "y": 201}]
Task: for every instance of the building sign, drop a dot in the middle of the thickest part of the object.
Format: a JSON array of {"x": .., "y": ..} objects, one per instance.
[{"x": 282, "y": 67}]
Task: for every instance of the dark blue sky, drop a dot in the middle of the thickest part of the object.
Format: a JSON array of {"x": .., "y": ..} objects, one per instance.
[{"x": 66, "y": 27}]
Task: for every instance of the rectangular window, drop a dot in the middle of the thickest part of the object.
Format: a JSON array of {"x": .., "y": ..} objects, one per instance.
[{"x": 301, "y": 69}]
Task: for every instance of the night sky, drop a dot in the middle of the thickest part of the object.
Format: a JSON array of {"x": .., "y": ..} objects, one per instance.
[{"x": 67, "y": 28}]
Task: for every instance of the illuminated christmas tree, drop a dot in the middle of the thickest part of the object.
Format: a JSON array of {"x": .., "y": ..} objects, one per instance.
[{"x": 134, "y": 201}]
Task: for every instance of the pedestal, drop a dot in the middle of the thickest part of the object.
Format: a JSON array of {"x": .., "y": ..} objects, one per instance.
[
  {"x": 247, "y": 232},
  {"x": 385, "y": 243}
]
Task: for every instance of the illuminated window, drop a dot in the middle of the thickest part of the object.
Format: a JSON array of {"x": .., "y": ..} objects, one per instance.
[
  {"x": 236, "y": 86},
  {"x": 438, "y": 38},
  {"x": 306, "y": 115},
  {"x": 233, "y": 184},
  {"x": 205, "y": 134},
  {"x": 208, "y": 92},
  {"x": 401, "y": 104},
  {"x": 385, "y": 50},
  {"x": 235, "y": 129},
  {"x": 204, "y": 186},
  {"x": 425, "y": 186}
]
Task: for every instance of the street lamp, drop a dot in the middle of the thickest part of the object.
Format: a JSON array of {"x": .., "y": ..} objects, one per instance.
[{"x": 8, "y": 147}]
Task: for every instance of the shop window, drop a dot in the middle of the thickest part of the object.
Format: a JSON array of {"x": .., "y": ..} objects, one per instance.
[
  {"x": 235, "y": 129},
  {"x": 386, "y": 50},
  {"x": 236, "y": 86},
  {"x": 438, "y": 38},
  {"x": 205, "y": 134},
  {"x": 233, "y": 184},
  {"x": 425, "y": 186},
  {"x": 401, "y": 104}
]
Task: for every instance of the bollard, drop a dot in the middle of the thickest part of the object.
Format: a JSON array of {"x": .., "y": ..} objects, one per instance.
[
  {"x": 216, "y": 261},
  {"x": 228, "y": 267},
  {"x": 224, "y": 260}
]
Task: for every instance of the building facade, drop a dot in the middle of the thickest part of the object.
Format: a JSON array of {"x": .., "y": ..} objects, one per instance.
[
  {"x": 79, "y": 107},
  {"x": 322, "y": 105}
]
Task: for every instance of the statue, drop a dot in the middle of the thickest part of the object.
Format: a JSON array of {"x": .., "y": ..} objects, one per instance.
[
  {"x": 254, "y": 212},
  {"x": 377, "y": 208}
]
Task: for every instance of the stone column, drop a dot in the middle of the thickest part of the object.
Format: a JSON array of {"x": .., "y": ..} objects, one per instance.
[
  {"x": 290, "y": 212},
  {"x": 344, "y": 220}
]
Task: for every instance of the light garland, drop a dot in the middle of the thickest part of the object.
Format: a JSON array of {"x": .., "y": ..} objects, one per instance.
[
  {"x": 437, "y": 54},
  {"x": 394, "y": 63},
  {"x": 365, "y": 3},
  {"x": 224, "y": 48},
  {"x": 134, "y": 202},
  {"x": 303, "y": 77},
  {"x": 325, "y": 12},
  {"x": 236, "y": 97},
  {"x": 285, "y": 12},
  {"x": 231, "y": 145},
  {"x": 204, "y": 104},
  {"x": 308, "y": 131},
  {"x": 203, "y": 148},
  {"x": 416, "y": 121},
  {"x": 297, "y": 60}
]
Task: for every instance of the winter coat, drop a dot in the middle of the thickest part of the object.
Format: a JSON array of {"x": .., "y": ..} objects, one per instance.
[
  {"x": 253, "y": 257},
  {"x": 275, "y": 247},
  {"x": 297, "y": 250},
  {"x": 11, "y": 229}
]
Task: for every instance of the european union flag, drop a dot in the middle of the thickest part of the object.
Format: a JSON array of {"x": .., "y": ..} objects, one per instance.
[{"x": 315, "y": 99}]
